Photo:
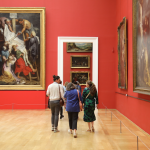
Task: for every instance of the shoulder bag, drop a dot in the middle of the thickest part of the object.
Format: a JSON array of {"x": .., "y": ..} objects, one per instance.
[{"x": 61, "y": 100}]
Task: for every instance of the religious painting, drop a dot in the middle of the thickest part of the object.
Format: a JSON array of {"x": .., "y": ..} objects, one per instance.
[
  {"x": 22, "y": 48},
  {"x": 80, "y": 61},
  {"x": 141, "y": 46},
  {"x": 79, "y": 47},
  {"x": 80, "y": 76},
  {"x": 122, "y": 54}
]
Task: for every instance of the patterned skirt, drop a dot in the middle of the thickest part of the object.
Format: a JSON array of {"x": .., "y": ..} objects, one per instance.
[{"x": 89, "y": 115}]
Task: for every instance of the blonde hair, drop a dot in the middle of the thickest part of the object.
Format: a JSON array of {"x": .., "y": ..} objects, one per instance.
[{"x": 66, "y": 83}]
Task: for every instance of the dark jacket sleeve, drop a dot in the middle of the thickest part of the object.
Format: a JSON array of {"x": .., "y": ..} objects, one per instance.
[{"x": 37, "y": 45}]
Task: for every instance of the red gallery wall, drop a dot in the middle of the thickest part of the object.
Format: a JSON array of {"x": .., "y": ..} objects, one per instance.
[
  {"x": 67, "y": 65},
  {"x": 72, "y": 18},
  {"x": 136, "y": 110}
]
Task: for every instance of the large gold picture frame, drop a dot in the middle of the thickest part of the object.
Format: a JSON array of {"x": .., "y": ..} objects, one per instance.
[
  {"x": 80, "y": 61},
  {"x": 122, "y": 54},
  {"x": 31, "y": 25},
  {"x": 80, "y": 76},
  {"x": 141, "y": 47}
]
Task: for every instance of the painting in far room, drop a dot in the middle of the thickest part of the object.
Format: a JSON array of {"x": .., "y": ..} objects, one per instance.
[
  {"x": 80, "y": 76},
  {"x": 79, "y": 47},
  {"x": 80, "y": 61}
]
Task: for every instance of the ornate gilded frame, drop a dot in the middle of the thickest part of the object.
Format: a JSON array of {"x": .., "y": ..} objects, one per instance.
[
  {"x": 80, "y": 56},
  {"x": 40, "y": 10},
  {"x": 122, "y": 24},
  {"x": 79, "y": 72},
  {"x": 137, "y": 89}
]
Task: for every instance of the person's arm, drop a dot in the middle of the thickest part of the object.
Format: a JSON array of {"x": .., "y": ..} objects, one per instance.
[
  {"x": 10, "y": 28},
  {"x": 84, "y": 95},
  {"x": 37, "y": 46},
  {"x": 80, "y": 96},
  {"x": 48, "y": 92},
  {"x": 61, "y": 91},
  {"x": 24, "y": 28},
  {"x": 96, "y": 97},
  {"x": 65, "y": 96}
]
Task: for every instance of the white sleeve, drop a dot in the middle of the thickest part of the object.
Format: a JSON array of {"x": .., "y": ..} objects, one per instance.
[
  {"x": 62, "y": 91},
  {"x": 48, "y": 91}
]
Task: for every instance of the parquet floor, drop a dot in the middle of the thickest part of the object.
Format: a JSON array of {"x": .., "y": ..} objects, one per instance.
[{"x": 31, "y": 130}]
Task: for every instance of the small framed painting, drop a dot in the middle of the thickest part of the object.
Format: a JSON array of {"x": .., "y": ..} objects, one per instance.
[
  {"x": 79, "y": 47},
  {"x": 80, "y": 76},
  {"x": 80, "y": 61}
]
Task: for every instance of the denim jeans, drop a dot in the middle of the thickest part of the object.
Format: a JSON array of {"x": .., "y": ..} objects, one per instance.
[{"x": 55, "y": 107}]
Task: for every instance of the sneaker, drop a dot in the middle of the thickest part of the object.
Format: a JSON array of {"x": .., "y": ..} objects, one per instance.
[
  {"x": 69, "y": 131},
  {"x": 61, "y": 116},
  {"x": 52, "y": 128},
  {"x": 56, "y": 130},
  {"x": 74, "y": 135}
]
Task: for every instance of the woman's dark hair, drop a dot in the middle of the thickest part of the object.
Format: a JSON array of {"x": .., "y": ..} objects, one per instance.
[
  {"x": 92, "y": 87},
  {"x": 75, "y": 82},
  {"x": 55, "y": 78},
  {"x": 70, "y": 86}
]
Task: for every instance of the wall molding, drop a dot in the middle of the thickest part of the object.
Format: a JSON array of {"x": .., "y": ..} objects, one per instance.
[{"x": 93, "y": 40}]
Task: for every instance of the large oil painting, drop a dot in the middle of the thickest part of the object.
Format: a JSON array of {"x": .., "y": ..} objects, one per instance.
[
  {"x": 80, "y": 76},
  {"x": 122, "y": 54},
  {"x": 141, "y": 46},
  {"x": 22, "y": 48},
  {"x": 79, "y": 47},
  {"x": 80, "y": 61}
]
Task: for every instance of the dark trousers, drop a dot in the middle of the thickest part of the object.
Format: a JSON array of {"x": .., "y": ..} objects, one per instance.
[
  {"x": 73, "y": 118},
  {"x": 55, "y": 107},
  {"x": 61, "y": 111}
]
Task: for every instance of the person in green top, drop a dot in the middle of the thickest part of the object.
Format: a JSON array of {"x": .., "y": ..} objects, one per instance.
[{"x": 89, "y": 97}]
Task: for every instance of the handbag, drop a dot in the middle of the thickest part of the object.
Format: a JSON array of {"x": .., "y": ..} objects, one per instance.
[
  {"x": 80, "y": 103},
  {"x": 61, "y": 100},
  {"x": 49, "y": 106}
]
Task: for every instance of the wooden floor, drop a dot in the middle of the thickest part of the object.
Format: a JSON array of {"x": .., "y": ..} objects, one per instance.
[{"x": 31, "y": 130}]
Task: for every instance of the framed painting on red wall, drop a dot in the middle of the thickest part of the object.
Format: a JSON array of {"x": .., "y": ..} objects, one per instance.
[
  {"x": 141, "y": 46},
  {"x": 80, "y": 61},
  {"x": 80, "y": 76},
  {"x": 22, "y": 48},
  {"x": 122, "y": 54},
  {"x": 79, "y": 47}
]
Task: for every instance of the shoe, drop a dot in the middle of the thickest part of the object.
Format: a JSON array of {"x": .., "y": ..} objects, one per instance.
[
  {"x": 74, "y": 135},
  {"x": 56, "y": 130},
  {"x": 93, "y": 129},
  {"x": 52, "y": 128},
  {"x": 69, "y": 131},
  {"x": 88, "y": 130},
  {"x": 61, "y": 116}
]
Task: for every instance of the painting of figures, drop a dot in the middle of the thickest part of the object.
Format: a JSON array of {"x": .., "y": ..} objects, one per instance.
[
  {"x": 80, "y": 61},
  {"x": 21, "y": 49},
  {"x": 79, "y": 47},
  {"x": 141, "y": 46},
  {"x": 122, "y": 55},
  {"x": 80, "y": 76}
]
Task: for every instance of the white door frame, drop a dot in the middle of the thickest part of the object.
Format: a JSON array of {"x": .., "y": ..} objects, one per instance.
[{"x": 93, "y": 40}]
